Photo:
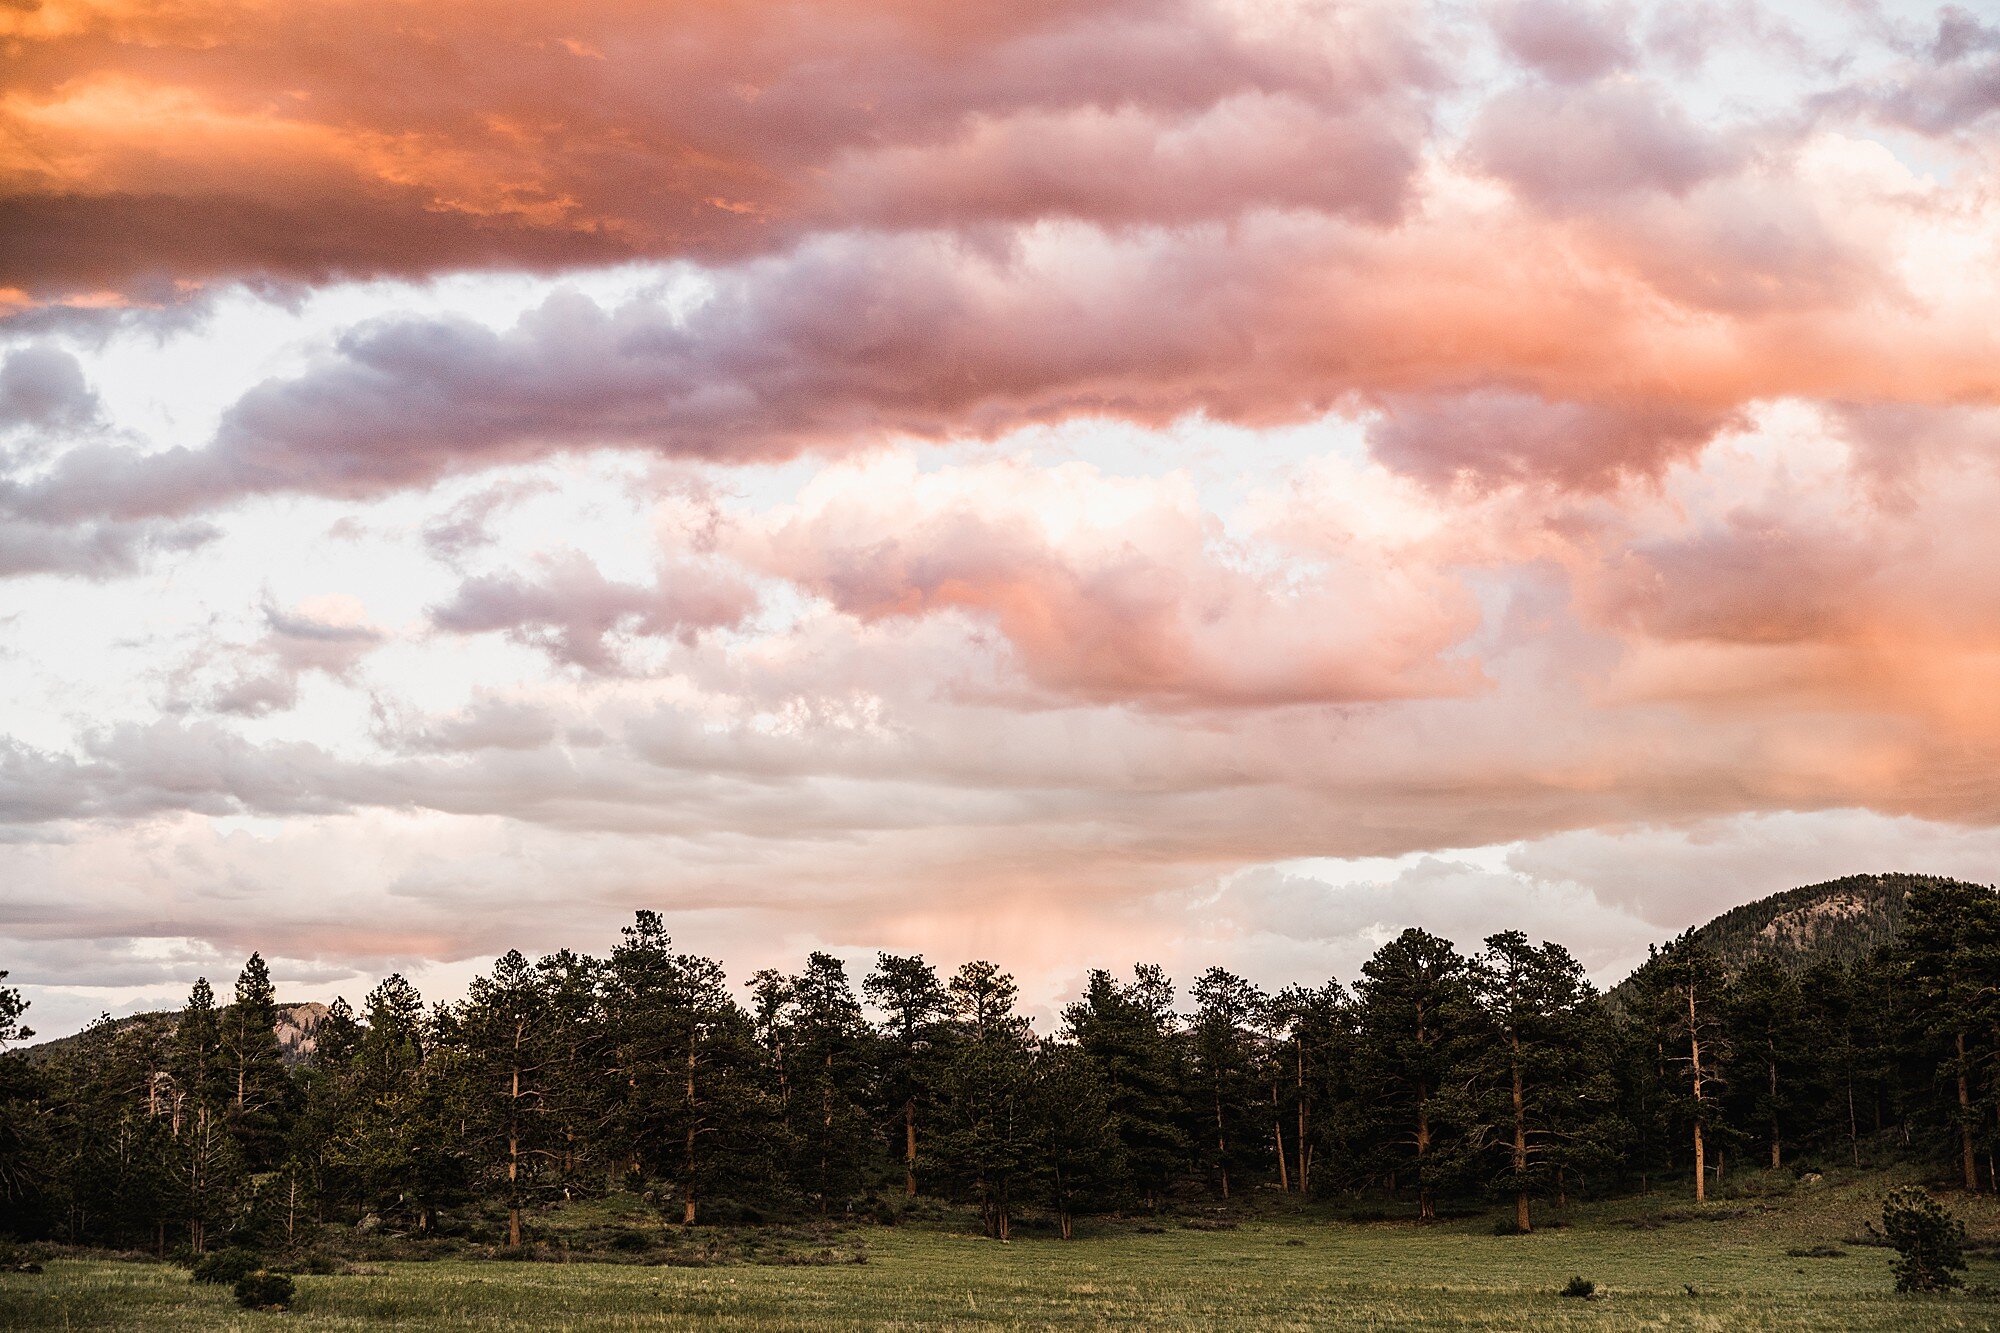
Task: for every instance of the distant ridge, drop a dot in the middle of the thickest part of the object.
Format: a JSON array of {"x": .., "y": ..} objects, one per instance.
[
  {"x": 297, "y": 1028},
  {"x": 1843, "y": 920}
]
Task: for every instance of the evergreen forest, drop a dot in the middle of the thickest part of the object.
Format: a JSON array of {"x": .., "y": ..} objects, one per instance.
[{"x": 1433, "y": 1082}]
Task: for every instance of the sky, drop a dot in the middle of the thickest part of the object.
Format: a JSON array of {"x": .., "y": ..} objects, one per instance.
[{"x": 1071, "y": 482}]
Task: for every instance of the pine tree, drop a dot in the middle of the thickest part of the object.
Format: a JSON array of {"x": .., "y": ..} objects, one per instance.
[
  {"x": 1311, "y": 1065},
  {"x": 1227, "y": 1059},
  {"x": 507, "y": 1038},
  {"x": 314, "y": 1155},
  {"x": 985, "y": 1141},
  {"x": 1077, "y": 1156},
  {"x": 1951, "y": 959},
  {"x": 1128, "y": 1032},
  {"x": 396, "y": 1148},
  {"x": 261, "y": 1092},
  {"x": 1682, "y": 990},
  {"x": 1765, "y": 1015},
  {"x": 206, "y": 1161},
  {"x": 830, "y": 1082},
  {"x": 909, "y": 994},
  {"x": 1414, "y": 999},
  {"x": 692, "y": 1115},
  {"x": 581, "y": 1087},
  {"x": 23, "y": 1128},
  {"x": 1830, "y": 1052},
  {"x": 1540, "y": 1097}
]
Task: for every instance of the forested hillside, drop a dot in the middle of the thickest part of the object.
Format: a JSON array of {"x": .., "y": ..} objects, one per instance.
[
  {"x": 1433, "y": 1081},
  {"x": 1843, "y": 920},
  {"x": 294, "y": 1025}
]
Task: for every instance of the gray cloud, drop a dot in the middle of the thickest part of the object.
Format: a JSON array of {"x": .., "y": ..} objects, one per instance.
[
  {"x": 568, "y": 609},
  {"x": 1565, "y": 40}
]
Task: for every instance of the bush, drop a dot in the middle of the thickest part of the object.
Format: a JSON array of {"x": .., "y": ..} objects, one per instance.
[
  {"x": 225, "y": 1267},
  {"x": 1582, "y": 1288},
  {"x": 264, "y": 1291},
  {"x": 1929, "y": 1241}
]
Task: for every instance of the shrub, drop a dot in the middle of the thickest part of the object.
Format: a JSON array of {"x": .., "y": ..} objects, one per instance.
[
  {"x": 1582, "y": 1288},
  {"x": 264, "y": 1291},
  {"x": 1929, "y": 1241},
  {"x": 225, "y": 1267}
]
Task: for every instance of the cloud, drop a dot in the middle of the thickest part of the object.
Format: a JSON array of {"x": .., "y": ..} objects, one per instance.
[
  {"x": 1497, "y": 437},
  {"x": 1143, "y": 600},
  {"x": 1640, "y": 330},
  {"x": 570, "y": 610},
  {"x": 1566, "y": 42},
  {"x": 43, "y": 388},
  {"x": 486, "y": 724},
  {"x": 93, "y": 550},
  {"x": 1571, "y": 148},
  {"x": 980, "y": 477},
  {"x": 221, "y": 139},
  {"x": 1954, "y": 85},
  {"x": 329, "y": 635}
]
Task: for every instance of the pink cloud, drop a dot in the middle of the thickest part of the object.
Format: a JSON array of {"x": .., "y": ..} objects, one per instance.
[{"x": 1150, "y": 605}]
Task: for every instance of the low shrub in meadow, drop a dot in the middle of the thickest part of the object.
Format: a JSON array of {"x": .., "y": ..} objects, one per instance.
[{"x": 265, "y": 1291}]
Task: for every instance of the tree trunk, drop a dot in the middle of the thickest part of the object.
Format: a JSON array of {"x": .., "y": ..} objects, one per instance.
[
  {"x": 1965, "y": 1121},
  {"x": 1520, "y": 1137},
  {"x": 1278, "y": 1132},
  {"x": 1853, "y": 1126},
  {"x": 1425, "y": 1210},
  {"x": 1694, "y": 1060},
  {"x": 1772, "y": 1066},
  {"x": 825, "y": 1129},
  {"x": 688, "y": 1161},
  {"x": 1302, "y": 1116},
  {"x": 1221, "y": 1142},
  {"x": 910, "y": 1147},
  {"x": 1700, "y": 1167}
]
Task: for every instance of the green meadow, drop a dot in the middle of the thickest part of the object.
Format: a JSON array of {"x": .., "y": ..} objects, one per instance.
[{"x": 1658, "y": 1263}]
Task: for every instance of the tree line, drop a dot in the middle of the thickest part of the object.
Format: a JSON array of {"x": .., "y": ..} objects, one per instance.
[{"x": 1437, "y": 1081}]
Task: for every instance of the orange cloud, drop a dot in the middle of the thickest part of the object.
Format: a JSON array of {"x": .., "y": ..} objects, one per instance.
[{"x": 232, "y": 138}]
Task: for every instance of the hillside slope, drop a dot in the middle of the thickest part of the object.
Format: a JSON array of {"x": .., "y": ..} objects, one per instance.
[
  {"x": 1844, "y": 920},
  {"x": 297, "y": 1027}
]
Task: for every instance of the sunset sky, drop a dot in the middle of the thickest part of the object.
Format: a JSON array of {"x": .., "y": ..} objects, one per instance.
[{"x": 1063, "y": 481}]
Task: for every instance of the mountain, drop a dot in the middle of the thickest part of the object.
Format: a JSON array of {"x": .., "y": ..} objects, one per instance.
[
  {"x": 297, "y": 1028},
  {"x": 1842, "y": 919}
]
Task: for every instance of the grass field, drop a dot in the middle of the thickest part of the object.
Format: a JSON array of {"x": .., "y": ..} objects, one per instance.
[{"x": 1282, "y": 1271}]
